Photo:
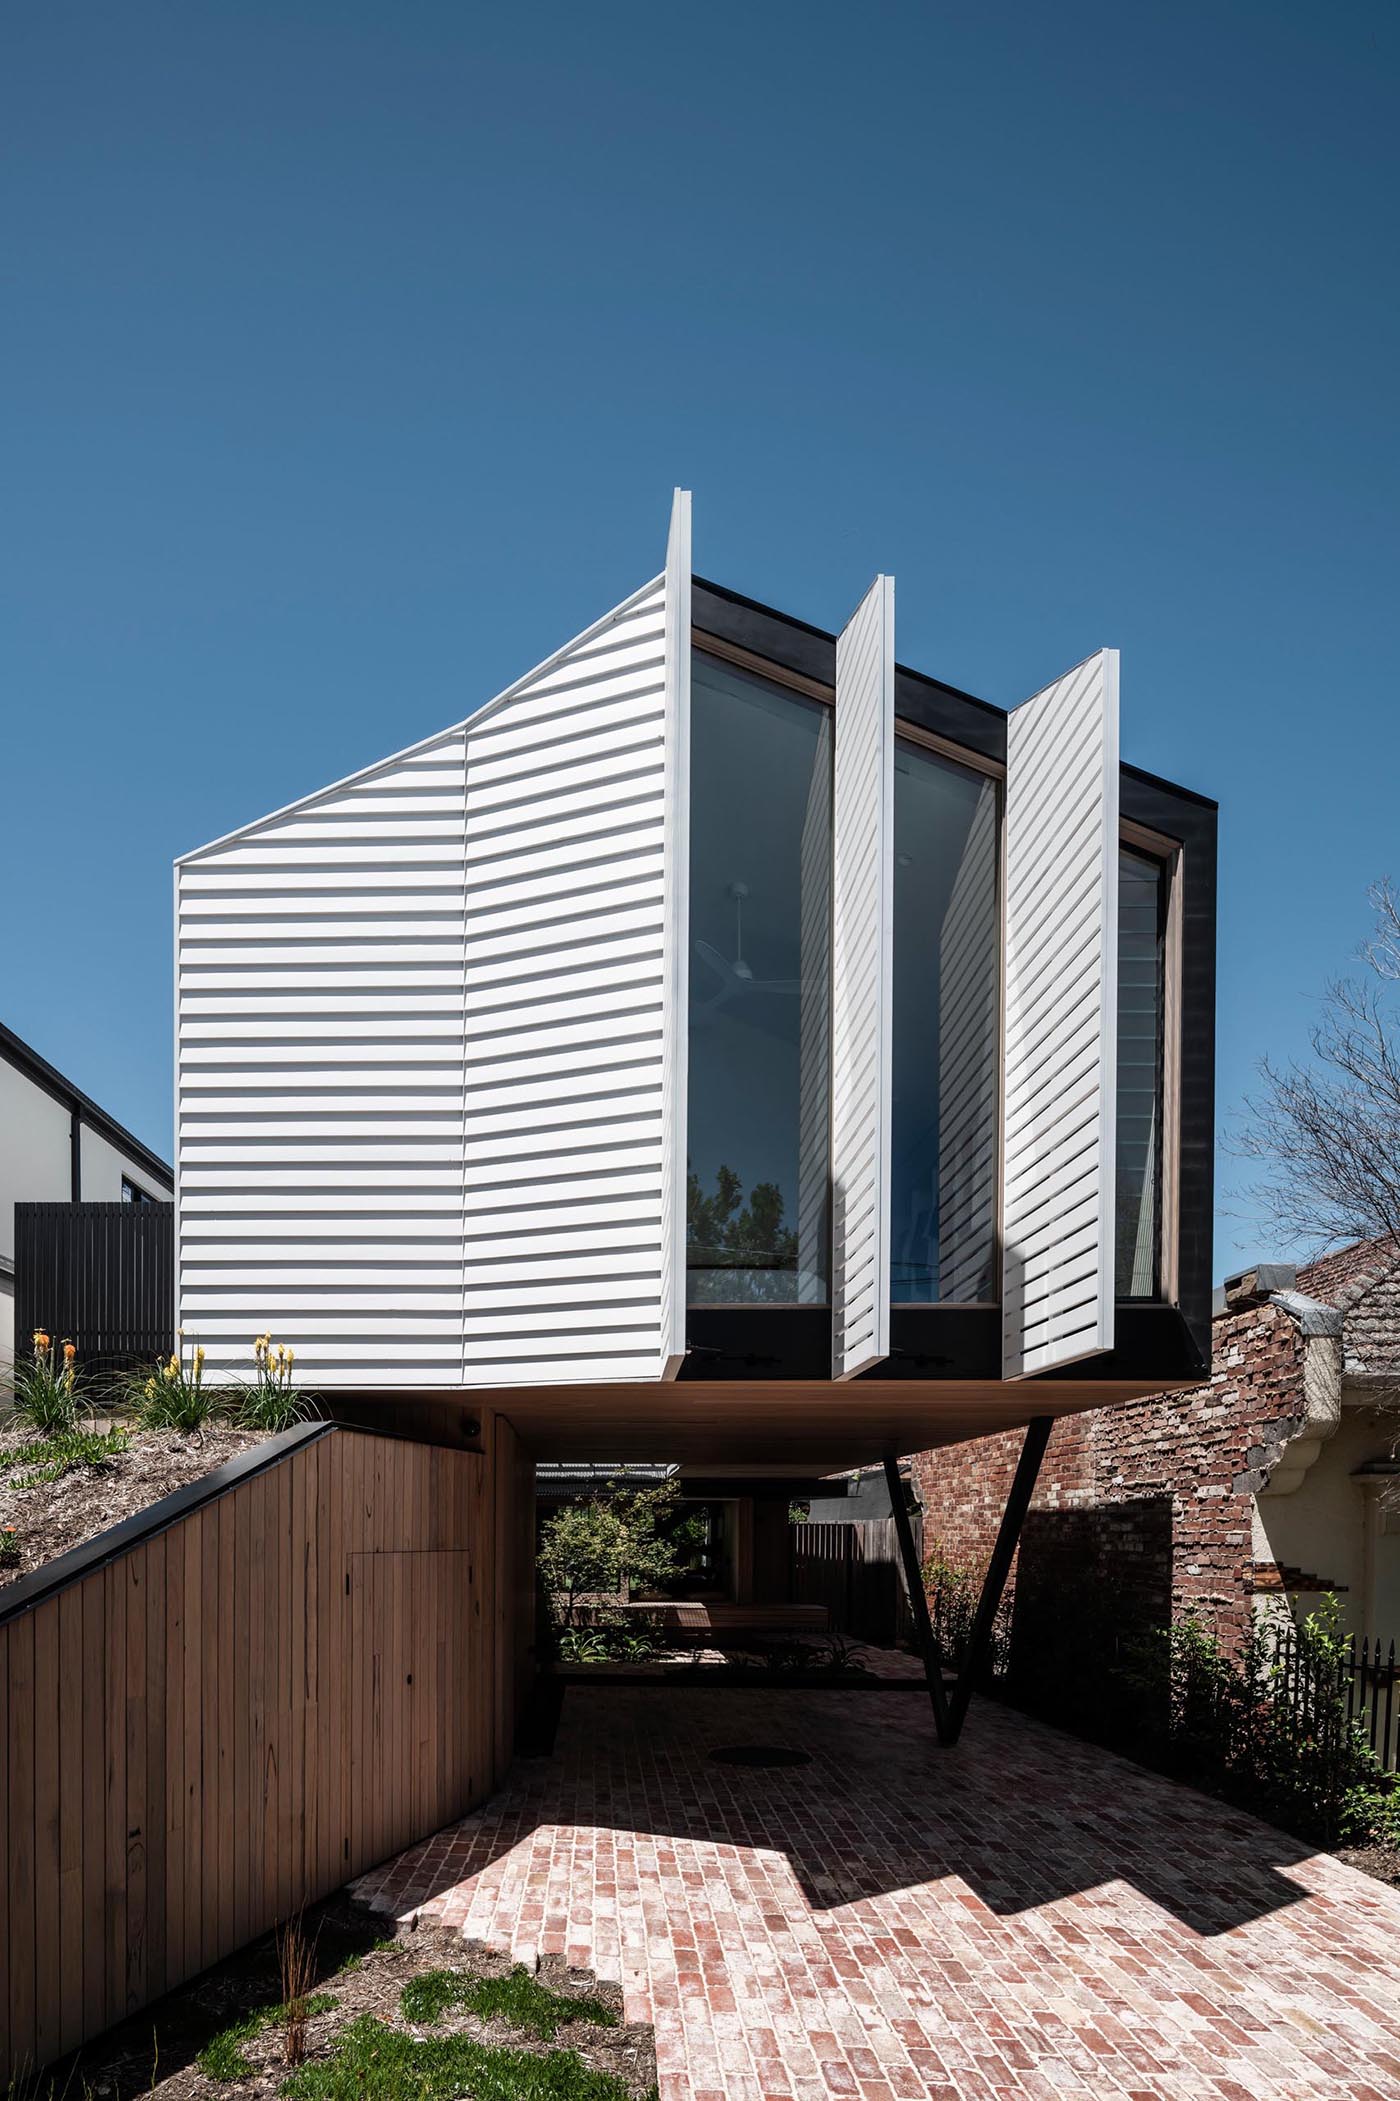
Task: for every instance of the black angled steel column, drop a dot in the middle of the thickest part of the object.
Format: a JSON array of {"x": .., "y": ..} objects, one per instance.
[
  {"x": 999, "y": 1567},
  {"x": 918, "y": 1603}
]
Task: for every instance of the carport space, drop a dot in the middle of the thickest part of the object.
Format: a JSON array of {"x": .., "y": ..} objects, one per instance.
[{"x": 1023, "y": 1916}]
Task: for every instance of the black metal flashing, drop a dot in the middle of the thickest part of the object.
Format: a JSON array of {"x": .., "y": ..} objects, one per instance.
[
  {"x": 82, "y": 1108},
  {"x": 95, "y": 1553}
]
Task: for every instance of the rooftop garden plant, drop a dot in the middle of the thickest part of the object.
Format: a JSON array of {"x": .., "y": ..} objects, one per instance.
[{"x": 47, "y": 1398}]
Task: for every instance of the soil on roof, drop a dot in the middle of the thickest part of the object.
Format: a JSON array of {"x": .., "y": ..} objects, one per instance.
[{"x": 49, "y": 1517}]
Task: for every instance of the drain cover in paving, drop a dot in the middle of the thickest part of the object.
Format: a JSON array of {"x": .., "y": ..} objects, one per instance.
[{"x": 760, "y": 1754}]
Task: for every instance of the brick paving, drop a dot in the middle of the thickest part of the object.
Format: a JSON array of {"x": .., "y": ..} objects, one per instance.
[{"x": 1023, "y": 1917}]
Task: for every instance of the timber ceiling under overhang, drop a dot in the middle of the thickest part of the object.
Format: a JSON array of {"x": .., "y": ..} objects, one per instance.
[{"x": 814, "y": 1427}]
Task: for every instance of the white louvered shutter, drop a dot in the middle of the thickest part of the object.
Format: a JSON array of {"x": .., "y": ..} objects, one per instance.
[
  {"x": 319, "y": 1084},
  {"x": 862, "y": 934},
  {"x": 431, "y": 1041},
  {"x": 575, "y": 1018},
  {"x": 1060, "y": 1021},
  {"x": 677, "y": 1010}
]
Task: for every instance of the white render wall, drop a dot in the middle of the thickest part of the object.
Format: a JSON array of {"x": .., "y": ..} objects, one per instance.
[
  {"x": 36, "y": 1167},
  {"x": 35, "y": 1150},
  {"x": 104, "y": 1167},
  {"x": 431, "y": 1035}
]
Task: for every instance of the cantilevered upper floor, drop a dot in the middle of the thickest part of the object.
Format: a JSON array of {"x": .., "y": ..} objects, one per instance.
[{"x": 723, "y": 1007}]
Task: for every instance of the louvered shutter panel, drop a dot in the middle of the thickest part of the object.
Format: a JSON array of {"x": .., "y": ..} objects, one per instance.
[
  {"x": 862, "y": 931},
  {"x": 431, "y": 1041},
  {"x": 1060, "y": 1023},
  {"x": 319, "y": 1084},
  {"x": 575, "y": 1019},
  {"x": 676, "y": 1023}
]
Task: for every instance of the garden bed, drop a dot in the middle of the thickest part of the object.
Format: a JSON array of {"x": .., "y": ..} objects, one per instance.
[
  {"x": 1383, "y": 1862},
  {"x": 390, "y": 2011},
  {"x": 107, "y": 1474}
]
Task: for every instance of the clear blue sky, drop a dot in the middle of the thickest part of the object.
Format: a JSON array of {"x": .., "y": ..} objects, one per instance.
[{"x": 350, "y": 352}]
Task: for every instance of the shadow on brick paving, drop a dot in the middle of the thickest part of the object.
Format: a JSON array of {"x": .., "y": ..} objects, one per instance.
[{"x": 1020, "y": 1813}]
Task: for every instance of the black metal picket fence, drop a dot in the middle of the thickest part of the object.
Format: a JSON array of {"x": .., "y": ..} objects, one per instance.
[{"x": 1361, "y": 1676}]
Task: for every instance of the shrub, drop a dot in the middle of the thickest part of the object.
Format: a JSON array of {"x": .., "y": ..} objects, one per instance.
[
  {"x": 1266, "y": 1727},
  {"x": 223, "y": 2056},
  {"x": 952, "y": 1594},
  {"x": 173, "y": 1395},
  {"x": 609, "y": 1637},
  {"x": 296, "y": 1962},
  {"x": 47, "y": 1399},
  {"x": 608, "y": 1546},
  {"x": 271, "y": 1403}
]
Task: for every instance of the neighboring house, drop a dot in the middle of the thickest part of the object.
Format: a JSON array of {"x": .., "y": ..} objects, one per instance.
[
  {"x": 58, "y": 1146},
  {"x": 727, "y": 1048},
  {"x": 1273, "y": 1482}
]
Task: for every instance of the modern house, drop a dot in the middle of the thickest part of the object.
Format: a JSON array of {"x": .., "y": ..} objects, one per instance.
[
  {"x": 726, "y": 1047},
  {"x": 58, "y": 1147}
]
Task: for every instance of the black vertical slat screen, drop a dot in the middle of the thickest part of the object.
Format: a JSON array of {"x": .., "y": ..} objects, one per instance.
[{"x": 99, "y": 1275}]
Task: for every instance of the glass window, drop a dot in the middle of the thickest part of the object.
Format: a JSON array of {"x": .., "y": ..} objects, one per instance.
[
  {"x": 945, "y": 1054},
  {"x": 760, "y": 938},
  {"x": 1142, "y": 892},
  {"x": 133, "y": 1193}
]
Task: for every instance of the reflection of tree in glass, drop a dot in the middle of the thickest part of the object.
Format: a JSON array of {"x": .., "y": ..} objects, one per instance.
[{"x": 723, "y": 1232}]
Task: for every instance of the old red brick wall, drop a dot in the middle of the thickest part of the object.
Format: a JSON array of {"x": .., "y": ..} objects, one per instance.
[{"x": 1147, "y": 1505}]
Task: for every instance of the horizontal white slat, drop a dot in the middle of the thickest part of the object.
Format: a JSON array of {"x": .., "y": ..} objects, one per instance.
[
  {"x": 427, "y": 1037},
  {"x": 862, "y": 930},
  {"x": 1060, "y": 1002}
]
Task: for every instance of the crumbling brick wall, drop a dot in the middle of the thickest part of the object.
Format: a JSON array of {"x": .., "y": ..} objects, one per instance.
[{"x": 1148, "y": 1503}]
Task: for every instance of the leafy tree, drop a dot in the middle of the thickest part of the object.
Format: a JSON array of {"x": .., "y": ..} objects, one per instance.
[
  {"x": 727, "y": 1233},
  {"x": 615, "y": 1542}
]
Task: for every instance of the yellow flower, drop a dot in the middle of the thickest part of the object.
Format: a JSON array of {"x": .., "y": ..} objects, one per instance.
[
  {"x": 199, "y": 1353},
  {"x": 41, "y": 1340}
]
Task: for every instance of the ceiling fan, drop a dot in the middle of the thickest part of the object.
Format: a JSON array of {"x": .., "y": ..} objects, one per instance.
[{"x": 737, "y": 976}]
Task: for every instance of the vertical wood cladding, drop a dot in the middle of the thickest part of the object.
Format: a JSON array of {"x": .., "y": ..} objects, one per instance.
[{"x": 238, "y": 1713}]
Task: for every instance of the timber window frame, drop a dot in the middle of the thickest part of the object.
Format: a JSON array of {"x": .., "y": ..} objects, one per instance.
[
  {"x": 1140, "y": 838},
  {"x": 1169, "y": 855}
]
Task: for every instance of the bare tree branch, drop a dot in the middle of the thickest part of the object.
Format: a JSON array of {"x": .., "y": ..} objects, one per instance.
[{"x": 1326, "y": 1134}]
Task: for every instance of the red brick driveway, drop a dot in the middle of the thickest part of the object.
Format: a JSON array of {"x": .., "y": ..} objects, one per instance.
[{"x": 1024, "y": 1916}]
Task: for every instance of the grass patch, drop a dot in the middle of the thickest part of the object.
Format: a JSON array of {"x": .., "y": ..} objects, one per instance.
[
  {"x": 50, "y": 1458},
  {"x": 519, "y": 1998},
  {"x": 357, "y": 1960},
  {"x": 222, "y": 2056},
  {"x": 372, "y": 2062}
]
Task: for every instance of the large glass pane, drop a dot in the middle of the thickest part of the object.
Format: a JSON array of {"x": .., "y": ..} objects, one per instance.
[
  {"x": 760, "y": 938},
  {"x": 1141, "y": 985},
  {"x": 946, "y": 1051}
]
